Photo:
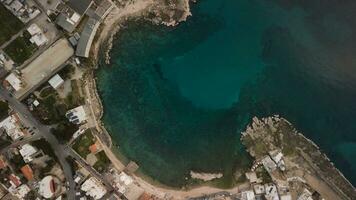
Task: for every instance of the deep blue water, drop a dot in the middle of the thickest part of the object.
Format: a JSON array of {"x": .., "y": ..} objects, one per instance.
[{"x": 176, "y": 99}]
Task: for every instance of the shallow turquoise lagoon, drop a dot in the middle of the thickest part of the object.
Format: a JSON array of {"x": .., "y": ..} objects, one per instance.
[{"x": 176, "y": 99}]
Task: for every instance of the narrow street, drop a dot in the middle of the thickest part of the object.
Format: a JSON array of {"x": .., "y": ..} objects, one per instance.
[
  {"x": 44, "y": 132},
  {"x": 20, "y": 143},
  {"x": 92, "y": 171}
]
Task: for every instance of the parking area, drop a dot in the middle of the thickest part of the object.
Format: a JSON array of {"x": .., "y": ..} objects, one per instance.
[{"x": 44, "y": 66}]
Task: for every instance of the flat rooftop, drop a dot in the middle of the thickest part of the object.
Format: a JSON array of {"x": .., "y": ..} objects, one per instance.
[{"x": 87, "y": 37}]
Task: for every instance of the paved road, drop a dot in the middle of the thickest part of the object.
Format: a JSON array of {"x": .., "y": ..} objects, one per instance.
[
  {"x": 212, "y": 196},
  {"x": 20, "y": 143},
  {"x": 92, "y": 171},
  {"x": 44, "y": 132}
]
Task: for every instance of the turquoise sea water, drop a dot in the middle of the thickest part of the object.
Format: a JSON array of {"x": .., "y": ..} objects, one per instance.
[{"x": 176, "y": 99}]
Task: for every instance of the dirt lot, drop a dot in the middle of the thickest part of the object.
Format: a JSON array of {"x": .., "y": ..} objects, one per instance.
[{"x": 45, "y": 65}]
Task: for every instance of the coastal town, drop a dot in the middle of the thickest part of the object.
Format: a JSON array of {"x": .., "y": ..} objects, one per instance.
[{"x": 52, "y": 141}]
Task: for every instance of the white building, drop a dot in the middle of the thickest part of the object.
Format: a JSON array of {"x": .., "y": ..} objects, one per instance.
[
  {"x": 27, "y": 151},
  {"x": 37, "y": 36},
  {"x": 286, "y": 197},
  {"x": 11, "y": 127},
  {"x": 78, "y": 133},
  {"x": 39, "y": 39},
  {"x": 306, "y": 195},
  {"x": 271, "y": 192},
  {"x": 6, "y": 62},
  {"x": 122, "y": 181},
  {"x": 21, "y": 191},
  {"x": 269, "y": 164},
  {"x": 277, "y": 157},
  {"x": 93, "y": 188},
  {"x": 77, "y": 115},
  {"x": 36, "y": 103},
  {"x": 252, "y": 177},
  {"x": 47, "y": 187},
  {"x": 125, "y": 185},
  {"x": 248, "y": 195},
  {"x": 74, "y": 18},
  {"x": 56, "y": 81},
  {"x": 14, "y": 81},
  {"x": 34, "y": 29},
  {"x": 259, "y": 189},
  {"x": 16, "y": 6}
]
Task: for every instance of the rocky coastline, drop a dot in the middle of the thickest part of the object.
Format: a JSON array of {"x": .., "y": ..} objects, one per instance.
[
  {"x": 303, "y": 158},
  {"x": 159, "y": 12},
  {"x": 171, "y": 13}
]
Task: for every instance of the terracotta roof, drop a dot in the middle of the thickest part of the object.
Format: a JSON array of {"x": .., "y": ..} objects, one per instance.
[
  {"x": 93, "y": 148},
  {"x": 16, "y": 117},
  {"x": 15, "y": 180},
  {"x": 2, "y": 164},
  {"x": 27, "y": 172}
]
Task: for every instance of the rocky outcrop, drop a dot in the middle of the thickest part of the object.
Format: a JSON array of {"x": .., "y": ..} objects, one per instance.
[
  {"x": 169, "y": 12},
  {"x": 205, "y": 176},
  {"x": 268, "y": 134}
]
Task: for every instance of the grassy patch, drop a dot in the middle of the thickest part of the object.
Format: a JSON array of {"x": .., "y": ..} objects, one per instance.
[
  {"x": 52, "y": 107},
  {"x": 82, "y": 143},
  {"x": 46, "y": 111},
  {"x": 74, "y": 98},
  {"x": 46, "y": 91},
  {"x": 49, "y": 111},
  {"x": 67, "y": 71},
  {"x": 64, "y": 131},
  {"x": 21, "y": 48},
  {"x": 9, "y": 24},
  {"x": 102, "y": 163}
]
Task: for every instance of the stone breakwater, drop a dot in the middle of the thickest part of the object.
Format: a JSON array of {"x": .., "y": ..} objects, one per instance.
[
  {"x": 302, "y": 154},
  {"x": 205, "y": 176}
]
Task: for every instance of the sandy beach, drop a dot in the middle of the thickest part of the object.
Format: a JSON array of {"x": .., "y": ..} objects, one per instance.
[{"x": 110, "y": 27}]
